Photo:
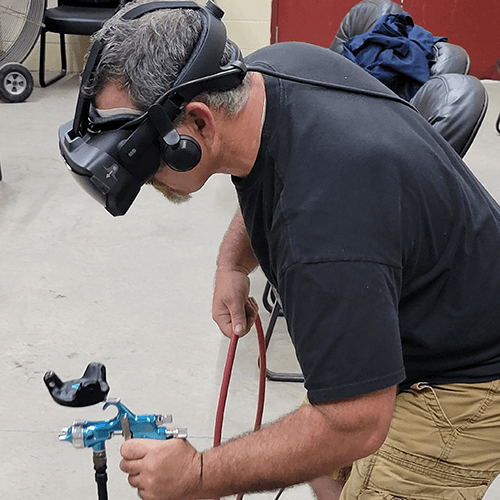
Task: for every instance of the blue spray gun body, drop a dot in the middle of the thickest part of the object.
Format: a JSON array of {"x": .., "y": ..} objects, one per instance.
[{"x": 93, "y": 434}]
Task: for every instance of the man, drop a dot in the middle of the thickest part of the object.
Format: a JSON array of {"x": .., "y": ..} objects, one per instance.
[{"x": 383, "y": 248}]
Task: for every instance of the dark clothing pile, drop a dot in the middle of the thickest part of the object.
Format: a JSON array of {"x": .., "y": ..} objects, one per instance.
[{"x": 396, "y": 52}]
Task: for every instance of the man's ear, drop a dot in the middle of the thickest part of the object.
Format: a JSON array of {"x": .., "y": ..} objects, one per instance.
[{"x": 199, "y": 120}]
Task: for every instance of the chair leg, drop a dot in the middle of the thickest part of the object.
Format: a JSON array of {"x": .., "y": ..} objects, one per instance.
[
  {"x": 269, "y": 297},
  {"x": 43, "y": 48},
  {"x": 278, "y": 376}
]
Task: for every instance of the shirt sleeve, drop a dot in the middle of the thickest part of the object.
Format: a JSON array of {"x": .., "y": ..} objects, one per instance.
[{"x": 343, "y": 321}]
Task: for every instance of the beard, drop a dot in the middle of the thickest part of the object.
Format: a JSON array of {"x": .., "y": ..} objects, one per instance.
[{"x": 170, "y": 194}]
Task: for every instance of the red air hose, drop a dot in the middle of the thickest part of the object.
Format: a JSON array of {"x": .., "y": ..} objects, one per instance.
[{"x": 227, "y": 376}]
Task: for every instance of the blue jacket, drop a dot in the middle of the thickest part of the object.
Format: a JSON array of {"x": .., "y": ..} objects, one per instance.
[{"x": 396, "y": 52}]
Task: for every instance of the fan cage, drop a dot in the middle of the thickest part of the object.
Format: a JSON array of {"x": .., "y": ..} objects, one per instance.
[{"x": 20, "y": 25}]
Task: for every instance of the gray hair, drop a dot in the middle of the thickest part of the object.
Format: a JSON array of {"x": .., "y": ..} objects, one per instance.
[{"x": 146, "y": 55}]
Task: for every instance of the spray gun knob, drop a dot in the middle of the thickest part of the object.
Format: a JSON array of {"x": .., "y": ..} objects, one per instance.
[
  {"x": 180, "y": 433},
  {"x": 161, "y": 420}
]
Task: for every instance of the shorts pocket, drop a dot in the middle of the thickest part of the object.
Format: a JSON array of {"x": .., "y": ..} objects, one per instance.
[{"x": 392, "y": 474}]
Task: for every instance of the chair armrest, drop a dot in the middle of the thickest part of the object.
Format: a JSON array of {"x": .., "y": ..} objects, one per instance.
[
  {"x": 361, "y": 19},
  {"x": 455, "y": 106},
  {"x": 449, "y": 58}
]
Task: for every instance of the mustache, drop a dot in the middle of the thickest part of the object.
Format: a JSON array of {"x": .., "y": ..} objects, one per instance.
[{"x": 171, "y": 195}]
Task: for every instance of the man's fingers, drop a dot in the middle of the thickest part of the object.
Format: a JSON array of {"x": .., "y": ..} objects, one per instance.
[
  {"x": 239, "y": 323},
  {"x": 130, "y": 467},
  {"x": 134, "y": 481},
  {"x": 223, "y": 320},
  {"x": 243, "y": 323},
  {"x": 135, "y": 449}
]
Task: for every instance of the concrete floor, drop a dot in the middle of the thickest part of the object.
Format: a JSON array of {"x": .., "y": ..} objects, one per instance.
[{"x": 77, "y": 285}]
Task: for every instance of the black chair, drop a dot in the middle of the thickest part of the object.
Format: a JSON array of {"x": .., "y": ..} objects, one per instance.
[
  {"x": 455, "y": 105},
  {"x": 452, "y": 101},
  {"x": 72, "y": 17},
  {"x": 448, "y": 58}
]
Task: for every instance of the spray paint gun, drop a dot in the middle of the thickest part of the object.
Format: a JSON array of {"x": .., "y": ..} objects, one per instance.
[
  {"x": 93, "y": 434},
  {"x": 90, "y": 389}
]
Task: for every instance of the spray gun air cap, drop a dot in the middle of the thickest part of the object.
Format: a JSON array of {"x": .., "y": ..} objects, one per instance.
[{"x": 74, "y": 434}]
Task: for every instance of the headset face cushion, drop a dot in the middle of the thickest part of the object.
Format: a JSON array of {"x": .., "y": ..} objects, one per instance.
[{"x": 110, "y": 121}]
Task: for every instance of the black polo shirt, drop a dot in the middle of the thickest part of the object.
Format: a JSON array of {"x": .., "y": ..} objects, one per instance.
[{"x": 384, "y": 247}]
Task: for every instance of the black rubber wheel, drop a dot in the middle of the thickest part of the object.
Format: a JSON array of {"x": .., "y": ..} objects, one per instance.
[{"x": 16, "y": 82}]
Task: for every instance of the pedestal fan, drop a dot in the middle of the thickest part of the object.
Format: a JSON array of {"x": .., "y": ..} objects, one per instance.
[{"x": 20, "y": 24}]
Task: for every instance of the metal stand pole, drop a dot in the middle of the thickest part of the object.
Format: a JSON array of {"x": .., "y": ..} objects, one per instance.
[{"x": 101, "y": 477}]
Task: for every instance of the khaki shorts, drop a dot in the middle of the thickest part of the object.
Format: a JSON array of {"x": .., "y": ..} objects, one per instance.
[{"x": 444, "y": 443}]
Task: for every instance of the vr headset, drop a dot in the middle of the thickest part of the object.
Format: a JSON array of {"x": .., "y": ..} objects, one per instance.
[{"x": 112, "y": 157}]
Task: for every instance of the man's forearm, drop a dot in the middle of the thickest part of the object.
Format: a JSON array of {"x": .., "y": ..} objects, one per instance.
[
  {"x": 232, "y": 308},
  {"x": 235, "y": 250},
  {"x": 313, "y": 441}
]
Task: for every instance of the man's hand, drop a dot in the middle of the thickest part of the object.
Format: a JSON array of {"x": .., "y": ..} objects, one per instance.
[
  {"x": 162, "y": 470},
  {"x": 232, "y": 308}
]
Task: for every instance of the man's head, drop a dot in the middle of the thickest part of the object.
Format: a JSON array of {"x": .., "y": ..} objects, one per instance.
[
  {"x": 146, "y": 55},
  {"x": 141, "y": 59},
  {"x": 159, "y": 78}
]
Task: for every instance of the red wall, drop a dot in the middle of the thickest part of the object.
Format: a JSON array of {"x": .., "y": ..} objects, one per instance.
[
  {"x": 313, "y": 21},
  {"x": 473, "y": 24}
]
